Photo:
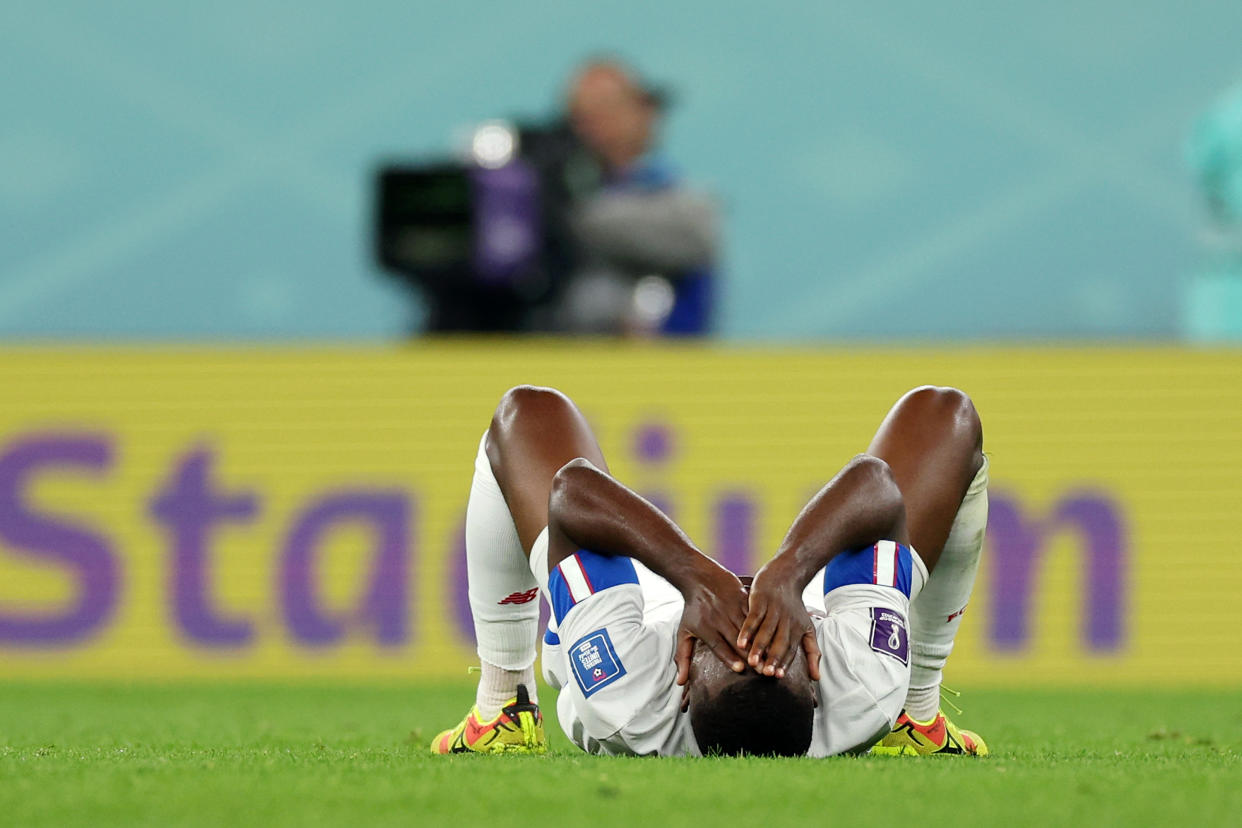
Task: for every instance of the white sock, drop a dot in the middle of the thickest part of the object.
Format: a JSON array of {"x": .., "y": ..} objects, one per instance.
[
  {"x": 504, "y": 598},
  {"x": 936, "y": 613},
  {"x": 498, "y": 686},
  {"x": 922, "y": 703}
]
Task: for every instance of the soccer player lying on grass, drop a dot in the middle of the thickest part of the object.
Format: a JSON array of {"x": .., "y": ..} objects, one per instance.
[{"x": 814, "y": 657}]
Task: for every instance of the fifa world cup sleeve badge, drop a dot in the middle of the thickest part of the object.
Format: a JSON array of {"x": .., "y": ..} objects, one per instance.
[{"x": 888, "y": 634}]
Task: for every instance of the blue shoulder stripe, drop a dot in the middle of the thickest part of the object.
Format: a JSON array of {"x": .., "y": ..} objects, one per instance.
[
  {"x": 582, "y": 575},
  {"x": 884, "y": 564}
]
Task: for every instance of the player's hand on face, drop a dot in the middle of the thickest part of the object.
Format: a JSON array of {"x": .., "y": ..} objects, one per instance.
[
  {"x": 777, "y": 624},
  {"x": 715, "y": 608}
]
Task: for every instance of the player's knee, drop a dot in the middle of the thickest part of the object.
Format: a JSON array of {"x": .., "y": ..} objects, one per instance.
[
  {"x": 948, "y": 408},
  {"x": 528, "y": 396},
  {"x": 527, "y": 402}
]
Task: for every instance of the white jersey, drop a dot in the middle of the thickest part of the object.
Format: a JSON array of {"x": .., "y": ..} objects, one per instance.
[{"x": 610, "y": 645}]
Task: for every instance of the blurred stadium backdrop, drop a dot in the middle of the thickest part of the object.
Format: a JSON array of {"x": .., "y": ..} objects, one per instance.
[
  {"x": 292, "y": 512},
  {"x": 204, "y": 170},
  {"x": 898, "y": 173}
]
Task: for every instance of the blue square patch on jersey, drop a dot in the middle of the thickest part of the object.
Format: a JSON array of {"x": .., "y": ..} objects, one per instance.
[{"x": 595, "y": 663}]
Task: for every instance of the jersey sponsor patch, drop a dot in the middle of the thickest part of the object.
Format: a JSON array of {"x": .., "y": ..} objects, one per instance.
[
  {"x": 583, "y": 574},
  {"x": 888, "y": 634},
  {"x": 887, "y": 563},
  {"x": 595, "y": 662}
]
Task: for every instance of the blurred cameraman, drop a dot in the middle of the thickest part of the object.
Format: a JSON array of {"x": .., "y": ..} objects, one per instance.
[
  {"x": 644, "y": 246},
  {"x": 574, "y": 225}
]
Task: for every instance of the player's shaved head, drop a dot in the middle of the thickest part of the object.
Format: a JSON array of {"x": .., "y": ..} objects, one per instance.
[{"x": 748, "y": 713}]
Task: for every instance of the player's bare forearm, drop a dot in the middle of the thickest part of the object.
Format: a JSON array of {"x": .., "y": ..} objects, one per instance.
[
  {"x": 859, "y": 506},
  {"x": 588, "y": 509}
]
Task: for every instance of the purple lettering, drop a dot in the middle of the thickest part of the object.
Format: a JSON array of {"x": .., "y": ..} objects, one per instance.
[
  {"x": 1017, "y": 543},
  {"x": 653, "y": 443},
  {"x": 1097, "y": 520},
  {"x": 463, "y": 615},
  {"x": 385, "y": 606},
  {"x": 47, "y": 538},
  {"x": 1014, "y": 548},
  {"x": 735, "y": 532},
  {"x": 653, "y": 449},
  {"x": 189, "y": 510}
]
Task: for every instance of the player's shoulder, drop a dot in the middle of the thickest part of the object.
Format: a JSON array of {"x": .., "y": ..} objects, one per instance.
[
  {"x": 587, "y": 579},
  {"x": 885, "y": 563}
]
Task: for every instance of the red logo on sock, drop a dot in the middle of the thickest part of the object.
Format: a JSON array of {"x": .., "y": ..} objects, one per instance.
[
  {"x": 521, "y": 597},
  {"x": 962, "y": 611}
]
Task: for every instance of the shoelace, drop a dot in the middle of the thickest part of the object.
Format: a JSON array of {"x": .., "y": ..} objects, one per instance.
[{"x": 945, "y": 698}]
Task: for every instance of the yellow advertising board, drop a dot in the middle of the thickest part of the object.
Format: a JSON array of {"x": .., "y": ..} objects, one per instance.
[{"x": 289, "y": 512}]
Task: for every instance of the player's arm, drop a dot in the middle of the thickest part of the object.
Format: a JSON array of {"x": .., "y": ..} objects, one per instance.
[
  {"x": 589, "y": 509},
  {"x": 858, "y": 507}
]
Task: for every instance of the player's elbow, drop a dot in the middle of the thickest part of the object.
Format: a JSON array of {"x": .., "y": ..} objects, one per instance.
[
  {"x": 574, "y": 470},
  {"x": 570, "y": 483},
  {"x": 874, "y": 477},
  {"x": 573, "y": 501},
  {"x": 872, "y": 472}
]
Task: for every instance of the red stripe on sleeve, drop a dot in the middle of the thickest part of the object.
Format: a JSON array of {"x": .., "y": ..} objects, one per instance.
[{"x": 585, "y": 576}]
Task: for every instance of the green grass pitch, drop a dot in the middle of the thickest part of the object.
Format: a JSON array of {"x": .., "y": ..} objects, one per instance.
[{"x": 304, "y": 755}]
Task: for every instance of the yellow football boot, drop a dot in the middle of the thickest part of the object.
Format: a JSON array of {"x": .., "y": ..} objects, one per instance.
[
  {"x": 518, "y": 728},
  {"x": 939, "y": 737}
]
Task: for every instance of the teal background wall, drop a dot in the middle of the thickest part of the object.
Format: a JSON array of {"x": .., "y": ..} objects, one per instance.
[{"x": 901, "y": 170}]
